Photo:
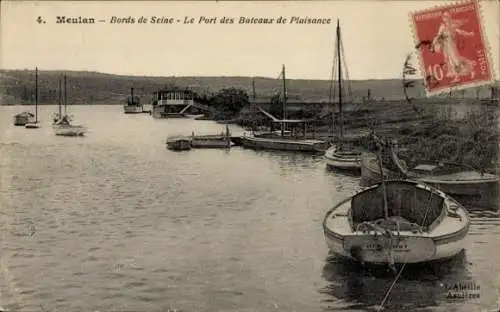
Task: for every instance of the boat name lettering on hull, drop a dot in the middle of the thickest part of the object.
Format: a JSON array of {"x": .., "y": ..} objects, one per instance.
[{"x": 400, "y": 247}]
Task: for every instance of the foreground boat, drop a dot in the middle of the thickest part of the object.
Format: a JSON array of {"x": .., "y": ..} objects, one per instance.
[
  {"x": 179, "y": 143},
  {"x": 397, "y": 222}
]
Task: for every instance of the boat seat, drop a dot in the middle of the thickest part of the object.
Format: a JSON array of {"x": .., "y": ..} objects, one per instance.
[{"x": 394, "y": 223}]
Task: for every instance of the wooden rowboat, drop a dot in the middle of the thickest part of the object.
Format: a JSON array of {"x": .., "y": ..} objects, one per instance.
[{"x": 397, "y": 222}]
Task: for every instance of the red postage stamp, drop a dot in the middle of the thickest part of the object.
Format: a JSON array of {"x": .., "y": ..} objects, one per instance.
[{"x": 452, "y": 49}]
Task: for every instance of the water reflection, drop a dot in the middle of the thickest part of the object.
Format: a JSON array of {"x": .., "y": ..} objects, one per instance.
[
  {"x": 419, "y": 288},
  {"x": 347, "y": 172},
  {"x": 287, "y": 160}
]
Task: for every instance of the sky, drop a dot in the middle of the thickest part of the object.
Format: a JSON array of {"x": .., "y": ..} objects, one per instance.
[{"x": 376, "y": 36}]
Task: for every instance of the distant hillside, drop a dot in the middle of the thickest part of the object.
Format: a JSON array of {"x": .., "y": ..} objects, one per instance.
[{"x": 17, "y": 87}]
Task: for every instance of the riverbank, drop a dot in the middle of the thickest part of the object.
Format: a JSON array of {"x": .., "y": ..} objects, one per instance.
[{"x": 468, "y": 136}]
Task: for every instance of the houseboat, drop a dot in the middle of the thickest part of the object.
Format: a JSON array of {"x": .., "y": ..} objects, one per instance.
[{"x": 172, "y": 103}]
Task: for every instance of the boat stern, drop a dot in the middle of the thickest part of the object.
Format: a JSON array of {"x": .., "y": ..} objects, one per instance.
[{"x": 381, "y": 249}]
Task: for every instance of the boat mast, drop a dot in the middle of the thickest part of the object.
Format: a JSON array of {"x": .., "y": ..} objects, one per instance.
[
  {"x": 59, "y": 100},
  {"x": 284, "y": 102},
  {"x": 341, "y": 119},
  {"x": 253, "y": 90},
  {"x": 65, "y": 94},
  {"x": 384, "y": 190},
  {"x": 36, "y": 94}
]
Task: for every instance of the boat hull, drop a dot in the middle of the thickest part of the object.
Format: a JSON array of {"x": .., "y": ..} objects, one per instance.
[
  {"x": 343, "y": 161},
  {"x": 32, "y": 125},
  {"x": 211, "y": 143},
  {"x": 23, "y": 119},
  {"x": 479, "y": 191},
  {"x": 410, "y": 243},
  {"x": 314, "y": 146},
  {"x": 180, "y": 145},
  {"x": 405, "y": 248},
  {"x": 132, "y": 109},
  {"x": 69, "y": 130}
]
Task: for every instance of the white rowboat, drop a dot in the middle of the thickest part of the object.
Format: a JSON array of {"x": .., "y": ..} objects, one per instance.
[{"x": 421, "y": 224}]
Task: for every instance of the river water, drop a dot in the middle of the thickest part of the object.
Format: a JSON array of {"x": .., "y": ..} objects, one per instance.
[{"x": 114, "y": 221}]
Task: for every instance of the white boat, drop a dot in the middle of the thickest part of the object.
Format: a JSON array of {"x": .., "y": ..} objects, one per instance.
[
  {"x": 397, "y": 222},
  {"x": 133, "y": 105},
  {"x": 272, "y": 141},
  {"x": 62, "y": 125},
  {"x": 292, "y": 135},
  {"x": 34, "y": 124},
  {"x": 343, "y": 159},
  {"x": 341, "y": 156}
]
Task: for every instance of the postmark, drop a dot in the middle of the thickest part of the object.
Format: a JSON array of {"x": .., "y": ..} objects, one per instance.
[{"x": 453, "y": 52}]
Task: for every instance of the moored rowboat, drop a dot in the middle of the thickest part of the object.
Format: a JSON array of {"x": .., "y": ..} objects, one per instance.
[
  {"x": 345, "y": 160},
  {"x": 179, "y": 143},
  {"x": 396, "y": 222}
]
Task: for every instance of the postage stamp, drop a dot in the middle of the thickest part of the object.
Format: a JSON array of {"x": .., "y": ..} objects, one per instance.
[{"x": 452, "y": 50}]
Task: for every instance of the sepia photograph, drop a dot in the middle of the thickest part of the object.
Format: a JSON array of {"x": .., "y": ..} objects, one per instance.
[{"x": 220, "y": 156}]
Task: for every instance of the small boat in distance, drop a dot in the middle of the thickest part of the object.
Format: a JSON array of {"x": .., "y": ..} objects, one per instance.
[
  {"x": 179, "y": 143},
  {"x": 133, "y": 105},
  {"x": 34, "y": 124},
  {"x": 62, "y": 125},
  {"x": 23, "y": 118},
  {"x": 341, "y": 156},
  {"x": 397, "y": 222},
  {"x": 222, "y": 140}
]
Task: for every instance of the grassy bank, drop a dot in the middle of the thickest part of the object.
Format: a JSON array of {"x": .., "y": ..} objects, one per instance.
[{"x": 435, "y": 135}]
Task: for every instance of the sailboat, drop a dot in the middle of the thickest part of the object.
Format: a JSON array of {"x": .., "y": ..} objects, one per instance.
[
  {"x": 62, "y": 122},
  {"x": 282, "y": 139},
  {"x": 395, "y": 222},
  {"x": 35, "y": 124},
  {"x": 341, "y": 156}
]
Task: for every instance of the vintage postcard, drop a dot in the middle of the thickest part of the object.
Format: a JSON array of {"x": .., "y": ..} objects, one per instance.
[{"x": 266, "y": 156}]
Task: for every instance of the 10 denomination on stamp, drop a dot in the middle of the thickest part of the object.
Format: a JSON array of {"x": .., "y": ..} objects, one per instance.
[{"x": 455, "y": 55}]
